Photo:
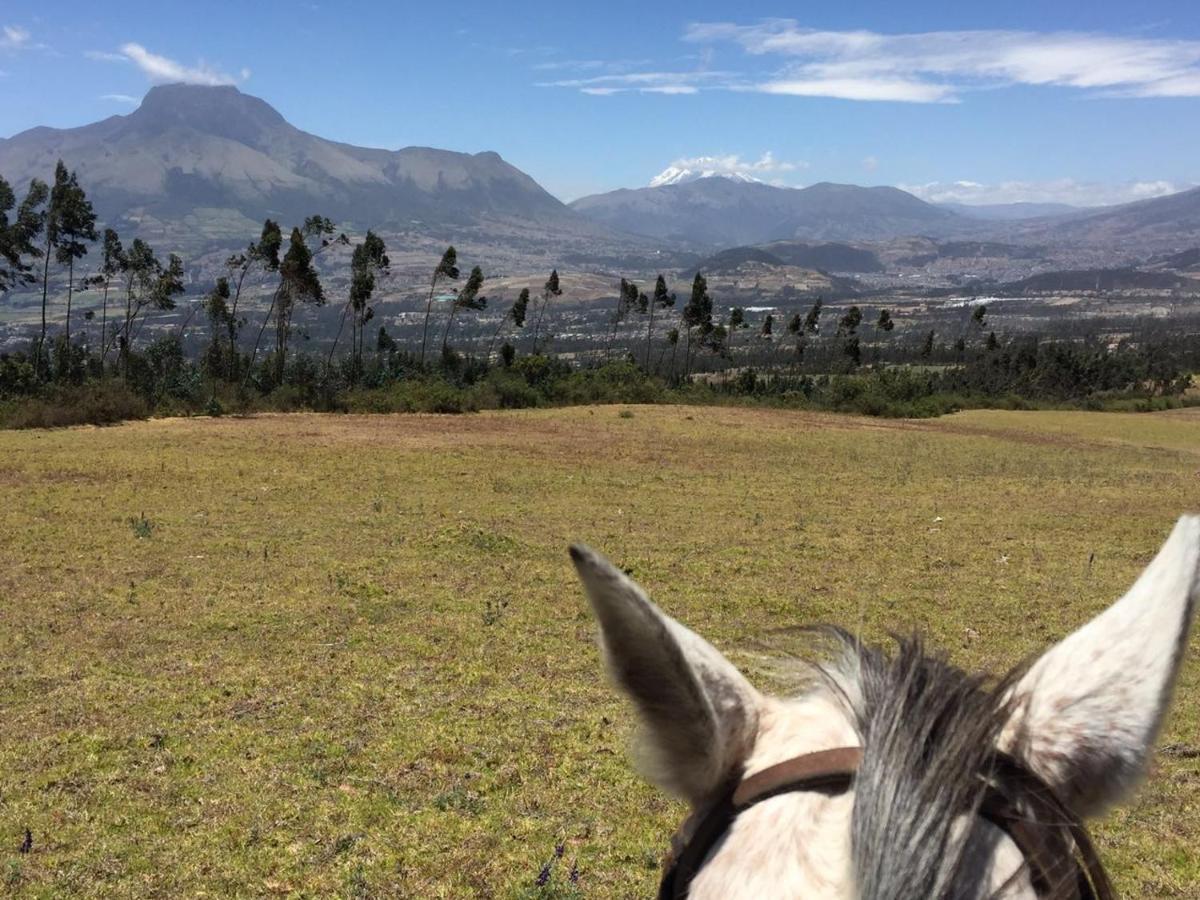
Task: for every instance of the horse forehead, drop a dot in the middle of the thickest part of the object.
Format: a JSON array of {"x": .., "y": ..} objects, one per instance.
[
  {"x": 799, "y": 844},
  {"x": 793, "y": 727}
]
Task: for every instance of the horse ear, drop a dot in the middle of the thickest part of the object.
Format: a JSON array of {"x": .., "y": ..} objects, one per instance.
[
  {"x": 1086, "y": 714},
  {"x": 699, "y": 712}
]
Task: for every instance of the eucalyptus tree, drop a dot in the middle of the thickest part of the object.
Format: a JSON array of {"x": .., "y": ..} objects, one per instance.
[
  {"x": 697, "y": 316},
  {"x": 447, "y": 268},
  {"x": 298, "y": 283},
  {"x": 662, "y": 299},
  {"x": 113, "y": 262},
  {"x": 261, "y": 254},
  {"x": 515, "y": 316},
  {"x": 550, "y": 289},
  {"x": 628, "y": 298},
  {"x": 466, "y": 298},
  {"x": 18, "y": 236},
  {"x": 148, "y": 285},
  {"x": 367, "y": 262},
  {"x": 737, "y": 321},
  {"x": 216, "y": 306},
  {"x": 76, "y": 229}
]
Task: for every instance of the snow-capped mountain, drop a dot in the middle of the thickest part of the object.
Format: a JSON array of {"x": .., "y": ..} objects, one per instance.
[{"x": 682, "y": 175}]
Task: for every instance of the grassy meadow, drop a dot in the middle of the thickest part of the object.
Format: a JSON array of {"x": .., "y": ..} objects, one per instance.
[{"x": 321, "y": 655}]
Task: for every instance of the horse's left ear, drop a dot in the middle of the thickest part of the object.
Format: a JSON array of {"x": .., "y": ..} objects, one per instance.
[
  {"x": 1087, "y": 713},
  {"x": 699, "y": 712}
]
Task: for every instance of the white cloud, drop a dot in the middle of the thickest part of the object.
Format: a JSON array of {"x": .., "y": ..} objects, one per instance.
[
  {"x": 162, "y": 69},
  {"x": 121, "y": 98},
  {"x": 105, "y": 56},
  {"x": 870, "y": 163},
  {"x": 938, "y": 66},
  {"x": 644, "y": 82},
  {"x": 1063, "y": 190},
  {"x": 14, "y": 37}
]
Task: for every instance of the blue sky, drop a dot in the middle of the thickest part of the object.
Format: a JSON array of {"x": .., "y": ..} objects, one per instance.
[{"x": 1014, "y": 101}]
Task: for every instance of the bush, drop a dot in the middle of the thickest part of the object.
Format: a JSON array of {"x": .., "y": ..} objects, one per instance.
[{"x": 94, "y": 403}]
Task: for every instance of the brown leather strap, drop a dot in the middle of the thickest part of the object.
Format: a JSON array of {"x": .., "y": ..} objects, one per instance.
[{"x": 808, "y": 772}]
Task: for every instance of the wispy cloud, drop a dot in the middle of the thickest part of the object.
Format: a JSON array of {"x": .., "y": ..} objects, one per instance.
[
  {"x": 939, "y": 66},
  {"x": 121, "y": 98},
  {"x": 1063, "y": 190},
  {"x": 782, "y": 57},
  {"x": 162, "y": 69},
  {"x": 14, "y": 37},
  {"x": 643, "y": 82}
]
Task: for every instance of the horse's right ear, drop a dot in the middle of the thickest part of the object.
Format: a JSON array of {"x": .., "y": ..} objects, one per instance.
[
  {"x": 699, "y": 712},
  {"x": 1086, "y": 714}
]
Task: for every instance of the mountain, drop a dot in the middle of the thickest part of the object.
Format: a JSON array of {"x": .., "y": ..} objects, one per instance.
[
  {"x": 722, "y": 212},
  {"x": 227, "y": 160},
  {"x": 1163, "y": 224},
  {"x": 1009, "y": 212}
]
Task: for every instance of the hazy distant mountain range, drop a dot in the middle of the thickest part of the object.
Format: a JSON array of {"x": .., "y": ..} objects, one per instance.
[
  {"x": 212, "y": 162},
  {"x": 720, "y": 211}
]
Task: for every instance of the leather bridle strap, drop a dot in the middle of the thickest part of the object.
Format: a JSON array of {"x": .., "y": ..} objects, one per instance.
[
  {"x": 833, "y": 771},
  {"x": 828, "y": 770}
]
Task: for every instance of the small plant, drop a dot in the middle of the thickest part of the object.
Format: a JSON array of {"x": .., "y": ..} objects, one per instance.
[
  {"x": 493, "y": 610},
  {"x": 625, "y": 414},
  {"x": 142, "y": 527}
]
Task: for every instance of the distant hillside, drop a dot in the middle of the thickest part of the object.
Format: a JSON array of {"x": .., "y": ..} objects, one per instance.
[
  {"x": 729, "y": 260},
  {"x": 1008, "y": 212},
  {"x": 721, "y": 211},
  {"x": 1124, "y": 279},
  {"x": 830, "y": 257},
  {"x": 226, "y": 159},
  {"x": 1163, "y": 224}
]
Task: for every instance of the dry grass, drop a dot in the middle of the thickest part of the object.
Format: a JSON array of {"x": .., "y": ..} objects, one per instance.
[{"x": 346, "y": 656}]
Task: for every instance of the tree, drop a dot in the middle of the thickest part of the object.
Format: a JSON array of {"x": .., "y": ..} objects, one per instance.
[
  {"x": 264, "y": 253},
  {"x": 298, "y": 283},
  {"x": 697, "y": 316},
  {"x": 673, "y": 343},
  {"x": 927, "y": 346},
  {"x": 112, "y": 264},
  {"x": 17, "y": 238},
  {"x": 447, "y": 267},
  {"x": 467, "y": 298},
  {"x": 795, "y": 325},
  {"x": 992, "y": 343},
  {"x": 368, "y": 260},
  {"x": 768, "y": 327},
  {"x": 384, "y": 342},
  {"x": 77, "y": 228},
  {"x": 885, "y": 324},
  {"x": 737, "y": 319},
  {"x": 663, "y": 300},
  {"x": 52, "y": 229},
  {"x": 979, "y": 315},
  {"x": 848, "y": 329},
  {"x": 516, "y": 315},
  {"x": 550, "y": 289},
  {"x": 628, "y": 297},
  {"x": 148, "y": 285},
  {"x": 216, "y": 306},
  {"x": 812, "y": 321}
]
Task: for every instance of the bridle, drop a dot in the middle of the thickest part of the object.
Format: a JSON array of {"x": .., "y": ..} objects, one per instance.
[{"x": 1014, "y": 799}]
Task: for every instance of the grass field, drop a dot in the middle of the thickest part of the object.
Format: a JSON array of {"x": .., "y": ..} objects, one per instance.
[{"x": 346, "y": 656}]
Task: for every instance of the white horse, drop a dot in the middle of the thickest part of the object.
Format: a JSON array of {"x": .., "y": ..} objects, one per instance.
[{"x": 897, "y": 775}]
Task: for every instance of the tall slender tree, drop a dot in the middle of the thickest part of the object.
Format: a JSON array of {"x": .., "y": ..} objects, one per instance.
[
  {"x": 77, "y": 228},
  {"x": 697, "y": 317},
  {"x": 264, "y": 254},
  {"x": 663, "y": 300},
  {"x": 515, "y": 315},
  {"x": 52, "y": 231},
  {"x": 550, "y": 289},
  {"x": 627, "y": 299},
  {"x": 467, "y": 298},
  {"x": 447, "y": 268},
  {"x": 298, "y": 283},
  {"x": 18, "y": 236},
  {"x": 113, "y": 263},
  {"x": 368, "y": 261}
]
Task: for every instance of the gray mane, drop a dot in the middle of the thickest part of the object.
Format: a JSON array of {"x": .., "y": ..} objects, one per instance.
[{"x": 928, "y": 731}]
